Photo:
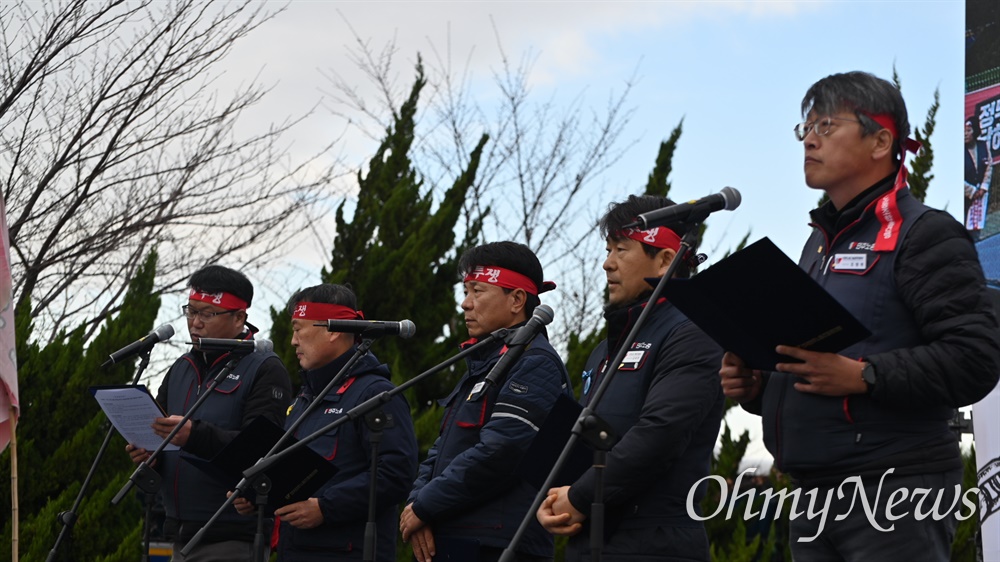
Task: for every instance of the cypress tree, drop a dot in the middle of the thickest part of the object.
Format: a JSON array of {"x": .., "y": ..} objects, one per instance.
[
  {"x": 62, "y": 428},
  {"x": 399, "y": 255}
]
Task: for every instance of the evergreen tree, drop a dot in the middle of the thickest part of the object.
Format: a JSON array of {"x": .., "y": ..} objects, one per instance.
[
  {"x": 62, "y": 429},
  {"x": 659, "y": 183},
  {"x": 920, "y": 165},
  {"x": 400, "y": 256}
]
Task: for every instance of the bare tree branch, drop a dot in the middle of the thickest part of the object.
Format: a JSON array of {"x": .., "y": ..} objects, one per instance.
[
  {"x": 537, "y": 177},
  {"x": 115, "y": 141}
]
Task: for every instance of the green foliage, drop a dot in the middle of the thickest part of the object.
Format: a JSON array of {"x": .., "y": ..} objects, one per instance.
[
  {"x": 577, "y": 351},
  {"x": 281, "y": 336},
  {"x": 61, "y": 430},
  {"x": 129, "y": 549},
  {"x": 400, "y": 255},
  {"x": 738, "y": 532},
  {"x": 427, "y": 426},
  {"x": 963, "y": 548},
  {"x": 658, "y": 183},
  {"x": 920, "y": 165}
]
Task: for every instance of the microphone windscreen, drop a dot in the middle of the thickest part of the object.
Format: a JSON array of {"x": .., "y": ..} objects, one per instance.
[
  {"x": 544, "y": 313},
  {"x": 732, "y": 197},
  {"x": 164, "y": 332},
  {"x": 407, "y": 329}
]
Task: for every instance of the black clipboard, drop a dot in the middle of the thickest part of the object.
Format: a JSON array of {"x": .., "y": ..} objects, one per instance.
[
  {"x": 757, "y": 299},
  {"x": 295, "y": 478}
]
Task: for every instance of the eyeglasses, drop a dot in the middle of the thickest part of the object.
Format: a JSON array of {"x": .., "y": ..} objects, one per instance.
[
  {"x": 821, "y": 127},
  {"x": 204, "y": 315}
]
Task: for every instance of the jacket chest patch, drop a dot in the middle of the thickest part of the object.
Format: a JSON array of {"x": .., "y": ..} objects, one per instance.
[
  {"x": 633, "y": 360},
  {"x": 850, "y": 262},
  {"x": 476, "y": 391}
]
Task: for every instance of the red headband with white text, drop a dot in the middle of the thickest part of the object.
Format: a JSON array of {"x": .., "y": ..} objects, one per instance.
[
  {"x": 228, "y": 301},
  {"x": 325, "y": 311},
  {"x": 506, "y": 278},
  {"x": 657, "y": 237}
]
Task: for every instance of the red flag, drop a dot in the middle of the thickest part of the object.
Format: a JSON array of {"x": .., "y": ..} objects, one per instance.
[{"x": 9, "y": 407}]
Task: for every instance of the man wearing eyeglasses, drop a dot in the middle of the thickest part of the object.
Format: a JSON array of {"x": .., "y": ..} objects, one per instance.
[
  {"x": 871, "y": 422},
  {"x": 258, "y": 386}
]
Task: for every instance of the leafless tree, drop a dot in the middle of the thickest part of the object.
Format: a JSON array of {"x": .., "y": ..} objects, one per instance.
[
  {"x": 114, "y": 140},
  {"x": 539, "y": 175}
]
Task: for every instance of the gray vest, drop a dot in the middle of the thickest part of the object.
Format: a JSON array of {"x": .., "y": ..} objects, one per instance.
[
  {"x": 811, "y": 434},
  {"x": 189, "y": 493}
]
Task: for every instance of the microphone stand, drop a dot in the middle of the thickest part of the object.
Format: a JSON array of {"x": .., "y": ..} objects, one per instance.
[
  {"x": 376, "y": 421},
  {"x": 68, "y": 518},
  {"x": 591, "y": 428},
  {"x": 147, "y": 479},
  {"x": 371, "y": 409},
  {"x": 263, "y": 484}
]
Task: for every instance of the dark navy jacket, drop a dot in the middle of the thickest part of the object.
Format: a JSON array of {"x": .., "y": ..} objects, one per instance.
[
  {"x": 921, "y": 293},
  {"x": 975, "y": 168},
  {"x": 467, "y": 486},
  {"x": 258, "y": 385},
  {"x": 665, "y": 405},
  {"x": 344, "y": 498}
]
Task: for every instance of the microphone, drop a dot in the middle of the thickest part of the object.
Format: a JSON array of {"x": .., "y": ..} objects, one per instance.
[
  {"x": 515, "y": 349},
  {"x": 163, "y": 333},
  {"x": 697, "y": 210},
  {"x": 371, "y": 328},
  {"x": 234, "y": 346}
]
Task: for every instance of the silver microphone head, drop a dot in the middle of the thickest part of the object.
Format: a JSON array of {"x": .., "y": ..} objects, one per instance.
[
  {"x": 732, "y": 198},
  {"x": 544, "y": 313},
  {"x": 407, "y": 329},
  {"x": 164, "y": 332},
  {"x": 263, "y": 346}
]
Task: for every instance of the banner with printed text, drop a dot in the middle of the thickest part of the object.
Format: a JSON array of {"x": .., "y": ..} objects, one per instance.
[
  {"x": 8, "y": 361},
  {"x": 982, "y": 219}
]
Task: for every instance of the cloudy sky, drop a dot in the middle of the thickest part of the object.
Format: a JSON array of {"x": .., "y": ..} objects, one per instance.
[{"x": 734, "y": 71}]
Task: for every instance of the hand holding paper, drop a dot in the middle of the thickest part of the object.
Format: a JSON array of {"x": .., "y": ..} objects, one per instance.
[
  {"x": 131, "y": 409},
  {"x": 163, "y": 426}
]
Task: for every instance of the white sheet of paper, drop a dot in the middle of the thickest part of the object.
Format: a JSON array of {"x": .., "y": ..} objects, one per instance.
[{"x": 131, "y": 410}]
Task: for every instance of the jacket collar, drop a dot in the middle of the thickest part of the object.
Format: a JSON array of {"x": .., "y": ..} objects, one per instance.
[
  {"x": 832, "y": 220},
  {"x": 315, "y": 380}
]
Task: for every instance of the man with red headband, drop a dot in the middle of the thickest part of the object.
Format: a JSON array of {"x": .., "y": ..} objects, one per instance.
[
  {"x": 330, "y": 526},
  {"x": 258, "y": 386},
  {"x": 871, "y": 423},
  {"x": 663, "y": 403},
  {"x": 467, "y": 500}
]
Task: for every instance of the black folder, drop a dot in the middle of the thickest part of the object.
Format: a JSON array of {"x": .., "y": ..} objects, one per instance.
[
  {"x": 757, "y": 299},
  {"x": 295, "y": 478}
]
